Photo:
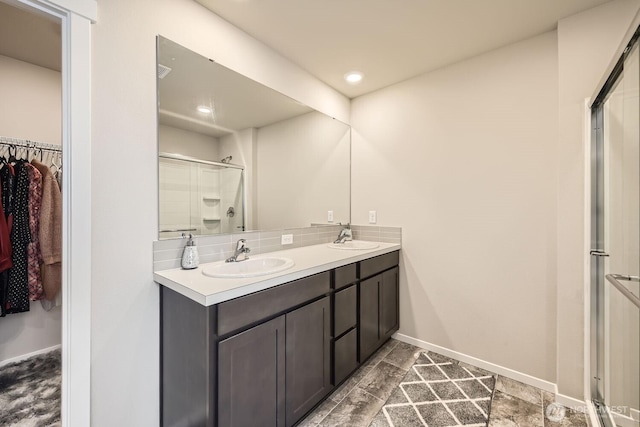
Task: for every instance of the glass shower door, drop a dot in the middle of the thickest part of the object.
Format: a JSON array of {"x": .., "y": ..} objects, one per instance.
[{"x": 615, "y": 254}]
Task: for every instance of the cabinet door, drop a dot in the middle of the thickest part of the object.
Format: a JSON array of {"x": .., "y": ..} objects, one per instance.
[
  {"x": 251, "y": 377},
  {"x": 369, "y": 316},
  {"x": 308, "y": 367},
  {"x": 389, "y": 303}
]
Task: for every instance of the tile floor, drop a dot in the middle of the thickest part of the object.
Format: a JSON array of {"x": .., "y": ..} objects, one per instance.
[
  {"x": 438, "y": 391},
  {"x": 359, "y": 401}
]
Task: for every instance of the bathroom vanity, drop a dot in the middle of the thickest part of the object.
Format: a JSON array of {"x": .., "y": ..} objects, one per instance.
[{"x": 267, "y": 350}]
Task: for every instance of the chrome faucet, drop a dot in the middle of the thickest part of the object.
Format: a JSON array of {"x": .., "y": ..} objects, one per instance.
[
  {"x": 345, "y": 235},
  {"x": 241, "y": 249}
]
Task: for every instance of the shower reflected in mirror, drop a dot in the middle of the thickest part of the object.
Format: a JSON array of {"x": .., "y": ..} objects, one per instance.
[{"x": 236, "y": 155}]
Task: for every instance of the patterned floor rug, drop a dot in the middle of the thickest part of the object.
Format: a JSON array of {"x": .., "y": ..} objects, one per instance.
[
  {"x": 439, "y": 392},
  {"x": 30, "y": 391}
]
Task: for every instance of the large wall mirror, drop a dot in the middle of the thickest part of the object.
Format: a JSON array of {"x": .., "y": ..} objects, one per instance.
[{"x": 235, "y": 155}]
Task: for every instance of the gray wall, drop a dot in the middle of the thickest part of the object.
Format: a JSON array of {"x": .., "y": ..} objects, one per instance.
[
  {"x": 482, "y": 165},
  {"x": 463, "y": 159}
]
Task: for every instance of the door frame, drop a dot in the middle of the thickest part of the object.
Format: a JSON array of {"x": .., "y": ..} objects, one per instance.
[{"x": 75, "y": 17}]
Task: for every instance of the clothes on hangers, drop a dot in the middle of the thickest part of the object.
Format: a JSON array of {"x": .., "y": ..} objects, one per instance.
[
  {"x": 6, "y": 199},
  {"x": 34, "y": 255},
  {"x": 5, "y": 241},
  {"x": 50, "y": 232},
  {"x": 20, "y": 235},
  {"x": 5, "y": 260},
  {"x": 30, "y": 232},
  {"x": 59, "y": 179}
]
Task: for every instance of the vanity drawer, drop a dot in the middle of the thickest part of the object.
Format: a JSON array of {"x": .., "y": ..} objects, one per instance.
[
  {"x": 243, "y": 311},
  {"x": 344, "y": 276},
  {"x": 345, "y": 310},
  {"x": 372, "y": 266},
  {"x": 345, "y": 356}
]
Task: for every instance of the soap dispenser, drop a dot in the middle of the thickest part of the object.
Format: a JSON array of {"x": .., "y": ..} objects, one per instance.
[{"x": 190, "y": 259}]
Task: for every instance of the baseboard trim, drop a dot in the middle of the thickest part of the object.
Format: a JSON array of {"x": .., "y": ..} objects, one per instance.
[
  {"x": 571, "y": 402},
  {"x": 28, "y": 355},
  {"x": 500, "y": 370}
]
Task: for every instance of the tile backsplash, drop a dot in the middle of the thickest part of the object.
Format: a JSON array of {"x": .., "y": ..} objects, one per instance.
[
  {"x": 168, "y": 253},
  {"x": 374, "y": 233}
]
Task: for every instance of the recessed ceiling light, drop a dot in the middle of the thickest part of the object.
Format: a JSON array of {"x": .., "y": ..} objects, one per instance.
[
  {"x": 353, "y": 77},
  {"x": 204, "y": 110}
]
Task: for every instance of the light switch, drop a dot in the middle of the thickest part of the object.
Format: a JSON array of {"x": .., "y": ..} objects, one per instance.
[
  {"x": 287, "y": 239},
  {"x": 330, "y": 216},
  {"x": 373, "y": 217}
]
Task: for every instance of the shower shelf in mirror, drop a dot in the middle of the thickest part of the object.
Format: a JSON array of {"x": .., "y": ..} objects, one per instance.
[
  {"x": 211, "y": 219},
  {"x": 214, "y": 198}
]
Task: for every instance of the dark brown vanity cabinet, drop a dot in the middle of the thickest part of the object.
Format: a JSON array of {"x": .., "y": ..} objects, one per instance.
[
  {"x": 263, "y": 359},
  {"x": 270, "y": 357},
  {"x": 308, "y": 358},
  {"x": 378, "y": 302},
  {"x": 345, "y": 322},
  {"x": 274, "y": 373},
  {"x": 251, "y": 389}
]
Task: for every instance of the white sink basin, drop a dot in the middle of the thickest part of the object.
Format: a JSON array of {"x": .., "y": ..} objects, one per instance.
[
  {"x": 249, "y": 268},
  {"x": 354, "y": 245}
]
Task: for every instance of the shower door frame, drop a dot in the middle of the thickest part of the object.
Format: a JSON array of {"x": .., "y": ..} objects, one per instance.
[
  {"x": 597, "y": 255},
  {"x": 596, "y": 351}
]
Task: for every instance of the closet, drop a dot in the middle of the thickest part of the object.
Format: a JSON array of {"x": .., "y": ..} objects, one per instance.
[
  {"x": 31, "y": 170},
  {"x": 30, "y": 225}
]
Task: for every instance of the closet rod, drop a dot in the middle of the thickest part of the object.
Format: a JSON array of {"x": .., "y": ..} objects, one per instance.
[{"x": 26, "y": 143}]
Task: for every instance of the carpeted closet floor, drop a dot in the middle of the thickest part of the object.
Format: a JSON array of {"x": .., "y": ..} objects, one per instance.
[{"x": 30, "y": 391}]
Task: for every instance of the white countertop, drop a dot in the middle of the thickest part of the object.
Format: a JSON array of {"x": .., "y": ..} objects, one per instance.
[{"x": 308, "y": 260}]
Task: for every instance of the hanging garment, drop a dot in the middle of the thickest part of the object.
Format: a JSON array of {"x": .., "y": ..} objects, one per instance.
[
  {"x": 34, "y": 256},
  {"x": 5, "y": 241},
  {"x": 18, "y": 288},
  {"x": 58, "y": 176},
  {"x": 50, "y": 232},
  {"x": 6, "y": 188},
  {"x": 7, "y": 176}
]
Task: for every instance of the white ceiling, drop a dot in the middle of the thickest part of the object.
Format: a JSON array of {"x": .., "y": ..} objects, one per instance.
[
  {"x": 30, "y": 37},
  {"x": 236, "y": 101},
  {"x": 389, "y": 40}
]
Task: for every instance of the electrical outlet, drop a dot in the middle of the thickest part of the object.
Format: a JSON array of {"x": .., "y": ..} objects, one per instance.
[
  {"x": 373, "y": 217},
  {"x": 287, "y": 239},
  {"x": 330, "y": 216}
]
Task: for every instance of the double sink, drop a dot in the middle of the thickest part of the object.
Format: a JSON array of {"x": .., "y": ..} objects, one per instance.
[{"x": 263, "y": 265}]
